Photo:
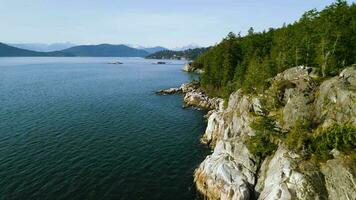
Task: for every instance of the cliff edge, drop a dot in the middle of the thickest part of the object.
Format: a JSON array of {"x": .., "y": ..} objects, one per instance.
[{"x": 284, "y": 159}]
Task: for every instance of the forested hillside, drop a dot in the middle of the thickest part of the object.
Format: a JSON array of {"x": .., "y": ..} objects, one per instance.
[
  {"x": 325, "y": 40},
  {"x": 105, "y": 50},
  {"x": 189, "y": 54},
  {"x": 10, "y": 51}
]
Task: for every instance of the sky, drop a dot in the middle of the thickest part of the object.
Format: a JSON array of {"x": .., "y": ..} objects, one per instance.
[{"x": 168, "y": 23}]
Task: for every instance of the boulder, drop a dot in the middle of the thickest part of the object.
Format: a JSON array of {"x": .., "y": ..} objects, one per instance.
[
  {"x": 293, "y": 90},
  {"x": 229, "y": 173},
  {"x": 280, "y": 179},
  {"x": 336, "y": 97},
  {"x": 340, "y": 179}
]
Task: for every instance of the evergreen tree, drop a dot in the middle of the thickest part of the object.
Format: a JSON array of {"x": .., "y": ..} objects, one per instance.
[{"x": 325, "y": 40}]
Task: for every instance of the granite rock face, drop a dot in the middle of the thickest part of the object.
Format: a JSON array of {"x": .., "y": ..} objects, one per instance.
[
  {"x": 335, "y": 102},
  {"x": 282, "y": 180},
  {"x": 293, "y": 90},
  {"x": 340, "y": 179},
  {"x": 190, "y": 68},
  {"x": 232, "y": 172}
]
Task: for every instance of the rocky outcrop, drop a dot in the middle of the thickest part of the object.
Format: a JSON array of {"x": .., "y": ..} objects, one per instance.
[
  {"x": 293, "y": 90},
  {"x": 169, "y": 91},
  {"x": 336, "y": 99},
  {"x": 340, "y": 179},
  {"x": 198, "y": 99},
  {"x": 229, "y": 173},
  {"x": 232, "y": 172},
  {"x": 190, "y": 68},
  {"x": 234, "y": 121},
  {"x": 280, "y": 179},
  {"x": 194, "y": 96}
]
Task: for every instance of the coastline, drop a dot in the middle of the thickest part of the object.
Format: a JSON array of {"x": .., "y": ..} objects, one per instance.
[{"x": 233, "y": 172}]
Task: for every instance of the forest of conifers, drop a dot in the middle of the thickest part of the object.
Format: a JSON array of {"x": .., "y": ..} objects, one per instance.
[{"x": 325, "y": 40}]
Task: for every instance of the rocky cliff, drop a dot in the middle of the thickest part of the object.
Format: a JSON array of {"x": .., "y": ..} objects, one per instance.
[
  {"x": 190, "y": 68},
  {"x": 232, "y": 171},
  {"x": 291, "y": 168}
]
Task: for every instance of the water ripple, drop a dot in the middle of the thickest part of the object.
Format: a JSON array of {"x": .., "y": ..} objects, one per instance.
[{"x": 79, "y": 129}]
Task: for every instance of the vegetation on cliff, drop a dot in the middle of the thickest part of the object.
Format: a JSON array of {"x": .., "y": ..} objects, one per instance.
[
  {"x": 325, "y": 40},
  {"x": 316, "y": 144},
  {"x": 287, "y": 130}
]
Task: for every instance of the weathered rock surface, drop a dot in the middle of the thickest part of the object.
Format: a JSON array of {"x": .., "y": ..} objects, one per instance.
[
  {"x": 281, "y": 180},
  {"x": 189, "y": 68},
  {"x": 194, "y": 96},
  {"x": 336, "y": 99},
  {"x": 199, "y": 99},
  {"x": 229, "y": 173},
  {"x": 294, "y": 91},
  {"x": 169, "y": 91},
  {"x": 234, "y": 121},
  {"x": 340, "y": 179},
  {"x": 232, "y": 172}
]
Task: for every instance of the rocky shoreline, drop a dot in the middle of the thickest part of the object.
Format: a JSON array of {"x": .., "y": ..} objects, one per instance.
[
  {"x": 233, "y": 172},
  {"x": 194, "y": 96}
]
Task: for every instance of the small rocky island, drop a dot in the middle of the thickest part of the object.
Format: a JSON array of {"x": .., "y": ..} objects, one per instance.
[
  {"x": 115, "y": 63},
  {"x": 243, "y": 168}
]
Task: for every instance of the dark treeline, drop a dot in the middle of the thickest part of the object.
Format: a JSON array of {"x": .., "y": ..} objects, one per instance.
[
  {"x": 189, "y": 54},
  {"x": 323, "y": 39}
]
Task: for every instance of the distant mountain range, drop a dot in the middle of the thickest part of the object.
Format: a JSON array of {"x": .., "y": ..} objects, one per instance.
[
  {"x": 61, "y": 50},
  {"x": 106, "y": 50},
  {"x": 40, "y": 47},
  {"x": 154, "y": 49},
  {"x": 9, "y": 51},
  {"x": 190, "y": 46}
]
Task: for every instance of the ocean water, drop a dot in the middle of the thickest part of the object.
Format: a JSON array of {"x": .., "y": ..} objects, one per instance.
[{"x": 78, "y": 128}]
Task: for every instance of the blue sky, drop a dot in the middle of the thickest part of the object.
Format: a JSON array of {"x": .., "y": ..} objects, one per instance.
[{"x": 169, "y": 23}]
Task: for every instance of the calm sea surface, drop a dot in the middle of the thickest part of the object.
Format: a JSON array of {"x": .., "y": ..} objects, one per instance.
[{"x": 78, "y": 128}]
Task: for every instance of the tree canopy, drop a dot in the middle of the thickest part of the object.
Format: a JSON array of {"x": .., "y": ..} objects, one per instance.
[
  {"x": 189, "y": 54},
  {"x": 325, "y": 40}
]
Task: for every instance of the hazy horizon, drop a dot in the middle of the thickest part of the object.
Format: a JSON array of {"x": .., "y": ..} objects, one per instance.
[
  {"x": 170, "y": 24},
  {"x": 70, "y": 44}
]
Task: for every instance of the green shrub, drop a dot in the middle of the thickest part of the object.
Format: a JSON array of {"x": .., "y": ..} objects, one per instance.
[
  {"x": 302, "y": 139},
  {"x": 298, "y": 138},
  {"x": 265, "y": 141},
  {"x": 340, "y": 137}
]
